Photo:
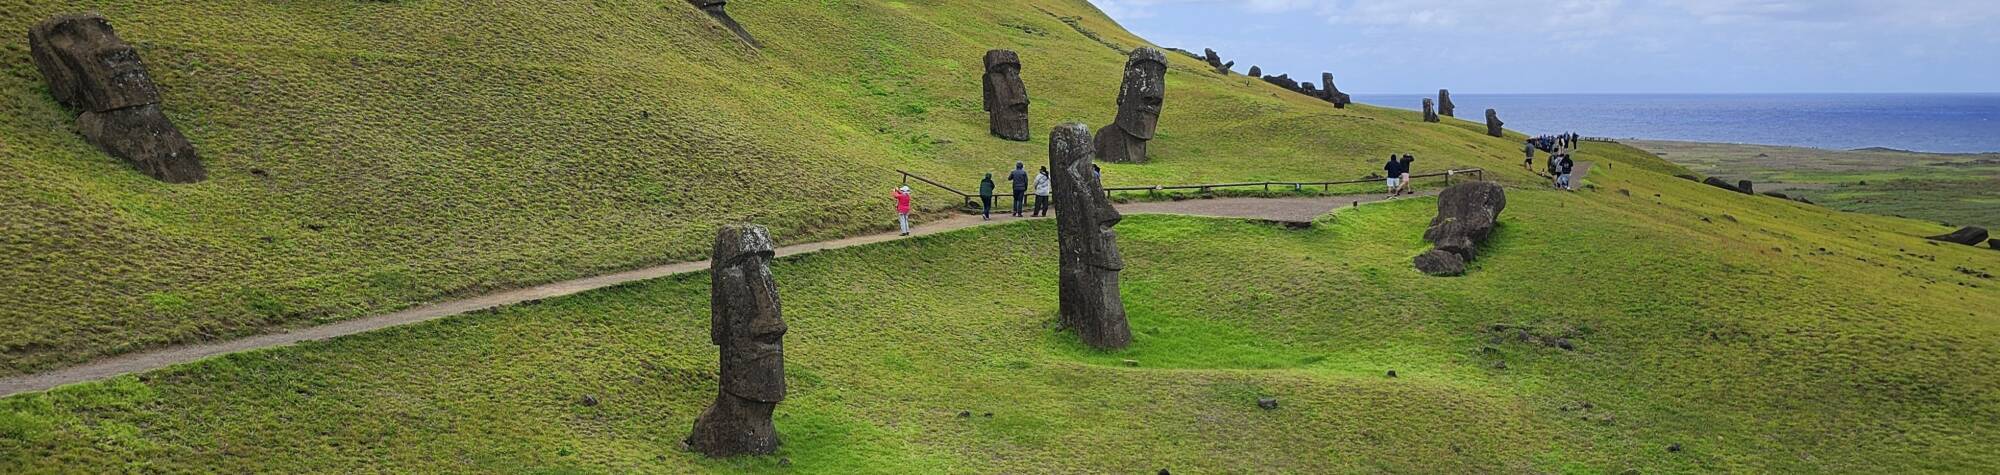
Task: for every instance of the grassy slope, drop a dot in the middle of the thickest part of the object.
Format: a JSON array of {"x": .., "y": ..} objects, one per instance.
[
  {"x": 1737, "y": 338},
  {"x": 1951, "y": 188},
  {"x": 368, "y": 156}
]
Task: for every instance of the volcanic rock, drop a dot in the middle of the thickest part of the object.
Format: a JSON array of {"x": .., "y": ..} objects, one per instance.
[{"x": 1969, "y": 235}]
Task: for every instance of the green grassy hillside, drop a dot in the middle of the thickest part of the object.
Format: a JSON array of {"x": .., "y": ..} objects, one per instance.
[
  {"x": 1960, "y": 189},
  {"x": 369, "y": 156}
]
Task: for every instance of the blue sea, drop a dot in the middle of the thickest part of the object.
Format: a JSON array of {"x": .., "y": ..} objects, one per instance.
[{"x": 1945, "y": 123}]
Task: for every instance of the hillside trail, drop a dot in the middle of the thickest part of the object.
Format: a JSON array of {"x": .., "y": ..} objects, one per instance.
[{"x": 1290, "y": 211}]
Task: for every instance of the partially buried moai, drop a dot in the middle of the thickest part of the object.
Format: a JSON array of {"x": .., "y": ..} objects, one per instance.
[
  {"x": 90, "y": 69},
  {"x": 1493, "y": 124},
  {"x": 719, "y": 10},
  {"x": 1089, "y": 300},
  {"x": 1139, "y": 99},
  {"x": 746, "y": 324},
  {"x": 1445, "y": 107},
  {"x": 1006, "y": 96},
  {"x": 1430, "y": 111}
]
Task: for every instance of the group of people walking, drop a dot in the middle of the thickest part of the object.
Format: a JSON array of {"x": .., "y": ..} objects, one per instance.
[
  {"x": 1558, "y": 147},
  {"x": 1557, "y": 142},
  {"x": 1021, "y": 183},
  {"x": 1398, "y": 170}
]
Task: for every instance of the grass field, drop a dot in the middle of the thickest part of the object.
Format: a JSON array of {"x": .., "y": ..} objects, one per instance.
[
  {"x": 1957, "y": 189},
  {"x": 370, "y": 156}
]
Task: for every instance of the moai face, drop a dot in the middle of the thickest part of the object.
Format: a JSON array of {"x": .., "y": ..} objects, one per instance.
[
  {"x": 745, "y": 320},
  {"x": 88, "y": 66},
  {"x": 1144, "y": 89},
  {"x": 1004, "y": 90},
  {"x": 1070, "y": 152}
]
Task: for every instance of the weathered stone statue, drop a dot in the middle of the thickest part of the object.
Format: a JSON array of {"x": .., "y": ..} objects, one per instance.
[
  {"x": 1969, "y": 235},
  {"x": 90, "y": 69},
  {"x": 1310, "y": 90},
  {"x": 1467, "y": 215},
  {"x": 1493, "y": 124},
  {"x": 1089, "y": 299},
  {"x": 1430, "y": 111},
  {"x": 1006, "y": 96},
  {"x": 1256, "y": 72},
  {"x": 1333, "y": 94},
  {"x": 717, "y": 9},
  {"x": 1445, "y": 107},
  {"x": 1215, "y": 61},
  {"x": 745, "y": 322},
  {"x": 1139, "y": 99}
]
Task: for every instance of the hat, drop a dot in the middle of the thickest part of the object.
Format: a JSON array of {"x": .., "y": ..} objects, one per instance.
[{"x": 905, "y": 188}]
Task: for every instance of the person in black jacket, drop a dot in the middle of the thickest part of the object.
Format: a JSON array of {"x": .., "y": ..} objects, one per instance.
[
  {"x": 1020, "y": 179},
  {"x": 986, "y": 198},
  {"x": 1562, "y": 179},
  {"x": 1395, "y": 172},
  {"x": 1409, "y": 163}
]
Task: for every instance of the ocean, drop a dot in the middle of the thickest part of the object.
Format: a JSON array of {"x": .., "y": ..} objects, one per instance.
[{"x": 1943, "y": 123}]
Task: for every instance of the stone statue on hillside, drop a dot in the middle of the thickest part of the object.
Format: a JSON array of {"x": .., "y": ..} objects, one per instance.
[
  {"x": 745, "y": 322},
  {"x": 1430, "y": 111},
  {"x": 1467, "y": 215},
  {"x": 1215, "y": 61},
  {"x": 1310, "y": 90},
  {"x": 1445, "y": 107},
  {"x": 1333, "y": 94},
  {"x": 1493, "y": 124},
  {"x": 1089, "y": 298},
  {"x": 1256, "y": 72},
  {"x": 1139, "y": 99},
  {"x": 1969, "y": 235},
  {"x": 1006, "y": 97},
  {"x": 717, "y": 9},
  {"x": 90, "y": 69}
]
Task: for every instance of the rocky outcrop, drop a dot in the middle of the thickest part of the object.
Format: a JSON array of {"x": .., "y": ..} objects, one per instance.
[
  {"x": 748, "y": 328},
  {"x": 717, "y": 9},
  {"x": 90, "y": 69},
  {"x": 1140, "y": 96},
  {"x": 1494, "y": 125},
  {"x": 1467, "y": 214},
  {"x": 1088, "y": 297},
  {"x": 1445, "y": 107},
  {"x": 1969, "y": 235},
  {"x": 1006, "y": 98},
  {"x": 1430, "y": 111}
]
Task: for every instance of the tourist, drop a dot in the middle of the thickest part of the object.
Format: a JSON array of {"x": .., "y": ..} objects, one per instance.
[
  {"x": 1042, "y": 192},
  {"x": 1408, "y": 163},
  {"x": 1529, "y": 149},
  {"x": 903, "y": 208},
  {"x": 1562, "y": 180},
  {"x": 986, "y": 198},
  {"x": 1020, "y": 179},
  {"x": 1394, "y": 169}
]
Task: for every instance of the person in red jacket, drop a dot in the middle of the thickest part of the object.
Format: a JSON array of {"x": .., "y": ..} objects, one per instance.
[{"x": 902, "y": 195}]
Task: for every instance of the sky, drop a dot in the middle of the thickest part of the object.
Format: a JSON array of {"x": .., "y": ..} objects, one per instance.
[{"x": 1593, "y": 46}]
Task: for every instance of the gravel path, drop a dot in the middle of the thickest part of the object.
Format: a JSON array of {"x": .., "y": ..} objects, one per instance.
[{"x": 1291, "y": 211}]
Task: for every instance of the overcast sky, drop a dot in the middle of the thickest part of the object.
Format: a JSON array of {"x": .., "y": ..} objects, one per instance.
[{"x": 1531, "y": 46}]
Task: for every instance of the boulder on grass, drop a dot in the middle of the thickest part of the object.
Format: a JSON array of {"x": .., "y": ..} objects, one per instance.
[
  {"x": 1467, "y": 214},
  {"x": 1970, "y": 236},
  {"x": 1441, "y": 263}
]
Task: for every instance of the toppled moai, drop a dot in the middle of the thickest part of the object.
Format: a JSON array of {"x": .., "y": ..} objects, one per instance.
[
  {"x": 1494, "y": 125},
  {"x": 1467, "y": 214},
  {"x": 1006, "y": 96},
  {"x": 748, "y": 328},
  {"x": 1088, "y": 297},
  {"x": 718, "y": 9},
  {"x": 1215, "y": 62},
  {"x": 1139, "y": 98},
  {"x": 89, "y": 69}
]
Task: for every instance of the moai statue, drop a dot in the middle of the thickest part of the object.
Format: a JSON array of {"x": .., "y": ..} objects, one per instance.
[
  {"x": 90, "y": 69},
  {"x": 1215, "y": 61},
  {"x": 1430, "y": 111},
  {"x": 1333, "y": 94},
  {"x": 745, "y": 322},
  {"x": 1493, "y": 123},
  {"x": 717, "y": 9},
  {"x": 1006, "y": 96},
  {"x": 1445, "y": 107},
  {"x": 1139, "y": 98},
  {"x": 1089, "y": 299},
  {"x": 1310, "y": 90},
  {"x": 1256, "y": 72}
]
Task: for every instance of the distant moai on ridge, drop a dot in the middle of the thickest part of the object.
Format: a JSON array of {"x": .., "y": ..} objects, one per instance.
[
  {"x": 89, "y": 69},
  {"x": 1088, "y": 296},
  {"x": 1140, "y": 97},
  {"x": 1445, "y": 107},
  {"x": 1006, "y": 97},
  {"x": 1493, "y": 124},
  {"x": 1430, "y": 111}
]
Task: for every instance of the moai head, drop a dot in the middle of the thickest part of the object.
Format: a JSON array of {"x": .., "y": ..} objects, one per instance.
[
  {"x": 87, "y": 66},
  {"x": 1430, "y": 111},
  {"x": 1144, "y": 89},
  {"x": 1092, "y": 216},
  {"x": 1003, "y": 82},
  {"x": 1444, "y": 103},
  {"x": 1494, "y": 126},
  {"x": 744, "y": 318}
]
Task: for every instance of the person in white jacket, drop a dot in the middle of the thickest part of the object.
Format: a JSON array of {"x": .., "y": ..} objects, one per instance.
[{"x": 1042, "y": 192}]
